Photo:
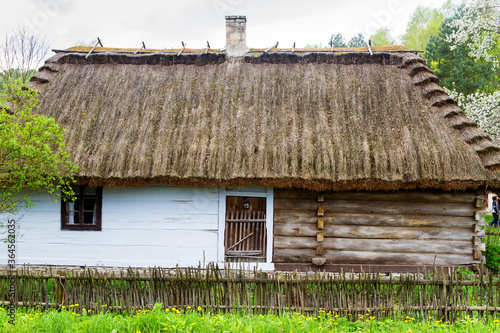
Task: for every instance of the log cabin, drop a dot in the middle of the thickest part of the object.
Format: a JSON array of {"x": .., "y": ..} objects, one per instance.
[{"x": 285, "y": 158}]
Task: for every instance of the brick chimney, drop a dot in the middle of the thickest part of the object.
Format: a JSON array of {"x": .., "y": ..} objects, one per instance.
[{"x": 236, "y": 36}]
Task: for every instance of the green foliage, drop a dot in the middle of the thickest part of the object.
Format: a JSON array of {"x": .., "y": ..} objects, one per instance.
[
  {"x": 492, "y": 255},
  {"x": 32, "y": 156},
  {"x": 337, "y": 40},
  {"x": 465, "y": 273},
  {"x": 382, "y": 37},
  {"x": 423, "y": 23},
  {"x": 12, "y": 76},
  {"x": 456, "y": 70},
  {"x": 357, "y": 41}
]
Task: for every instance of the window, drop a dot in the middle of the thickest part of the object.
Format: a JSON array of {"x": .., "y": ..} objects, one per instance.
[
  {"x": 84, "y": 213},
  {"x": 245, "y": 232}
]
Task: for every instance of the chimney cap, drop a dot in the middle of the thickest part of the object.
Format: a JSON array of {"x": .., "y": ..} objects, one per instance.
[{"x": 236, "y": 17}]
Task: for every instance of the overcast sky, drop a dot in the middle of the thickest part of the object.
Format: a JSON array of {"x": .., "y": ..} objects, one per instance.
[{"x": 165, "y": 23}]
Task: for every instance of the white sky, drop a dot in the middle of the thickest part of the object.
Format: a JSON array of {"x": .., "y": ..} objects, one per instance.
[{"x": 165, "y": 23}]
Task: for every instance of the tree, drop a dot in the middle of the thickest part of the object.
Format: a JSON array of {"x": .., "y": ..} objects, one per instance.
[
  {"x": 337, "y": 40},
  {"x": 91, "y": 42},
  {"x": 424, "y": 22},
  {"x": 455, "y": 69},
  {"x": 479, "y": 30},
  {"x": 482, "y": 108},
  {"x": 32, "y": 156},
  {"x": 382, "y": 37},
  {"x": 357, "y": 41},
  {"x": 21, "y": 53},
  {"x": 314, "y": 46}
]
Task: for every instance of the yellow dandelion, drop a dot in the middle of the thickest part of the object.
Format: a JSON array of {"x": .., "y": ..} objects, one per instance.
[{"x": 198, "y": 308}]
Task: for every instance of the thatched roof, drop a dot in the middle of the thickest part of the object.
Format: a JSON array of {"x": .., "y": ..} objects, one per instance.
[{"x": 319, "y": 121}]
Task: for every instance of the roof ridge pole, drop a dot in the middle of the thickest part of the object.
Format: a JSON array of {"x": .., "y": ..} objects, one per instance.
[
  {"x": 183, "y": 47},
  {"x": 370, "y": 46},
  {"x": 142, "y": 47},
  {"x": 207, "y": 48},
  {"x": 97, "y": 43},
  {"x": 293, "y": 47}
]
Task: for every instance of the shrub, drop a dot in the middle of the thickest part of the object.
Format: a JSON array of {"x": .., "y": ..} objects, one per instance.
[{"x": 492, "y": 255}]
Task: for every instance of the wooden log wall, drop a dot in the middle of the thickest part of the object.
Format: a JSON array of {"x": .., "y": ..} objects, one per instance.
[{"x": 398, "y": 228}]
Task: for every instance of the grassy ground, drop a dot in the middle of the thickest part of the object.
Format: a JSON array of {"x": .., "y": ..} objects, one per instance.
[{"x": 77, "y": 319}]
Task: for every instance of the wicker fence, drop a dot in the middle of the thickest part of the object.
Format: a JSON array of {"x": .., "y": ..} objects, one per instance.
[
  {"x": 447, "y": 296},
  {"x": 492, "y": 235}
]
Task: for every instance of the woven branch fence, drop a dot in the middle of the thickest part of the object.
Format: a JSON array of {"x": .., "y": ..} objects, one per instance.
[
  {"x": 492, "y": 236},
  {"x": 438, "y": 295}
]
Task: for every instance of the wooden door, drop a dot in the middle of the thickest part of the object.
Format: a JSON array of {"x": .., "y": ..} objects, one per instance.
[{"x": 245, "y": 234}]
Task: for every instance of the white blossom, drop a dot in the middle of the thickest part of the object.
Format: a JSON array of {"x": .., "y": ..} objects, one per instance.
[
  {"x": 482, "y": 108},
  {"x": 478, "y": 29}
]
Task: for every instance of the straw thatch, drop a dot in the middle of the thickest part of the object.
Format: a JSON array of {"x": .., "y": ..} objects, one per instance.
[{"x": 319, "y": 121}]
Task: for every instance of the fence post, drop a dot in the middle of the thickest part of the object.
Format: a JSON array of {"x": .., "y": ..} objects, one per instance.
[
  {"x": 60, "y": 288},
  {"x": 442, "y": 293}
]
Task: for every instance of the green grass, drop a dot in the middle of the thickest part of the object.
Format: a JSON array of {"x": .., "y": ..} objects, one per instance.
[{"x": 76, "y": 319}]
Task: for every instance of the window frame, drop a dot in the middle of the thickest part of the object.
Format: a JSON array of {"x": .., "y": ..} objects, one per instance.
[
  {"x": 80, "y": 226},
  {"x": 247, "y": 191}
]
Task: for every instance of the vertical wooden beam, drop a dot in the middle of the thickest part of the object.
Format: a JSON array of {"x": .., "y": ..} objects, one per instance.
[
  {"x": 269, "y": 224},
  {"x": 222, "y": 225}
]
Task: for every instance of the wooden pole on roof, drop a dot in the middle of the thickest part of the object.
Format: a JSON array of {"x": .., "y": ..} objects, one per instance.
[
  {"x": 97, "y": 43},
  {"x": 293, "y": 47},
  {"x": 142, "y": 47},
  {"x": 370, "y": 46},
  {"x": 207, "y": 48},
  {"x": 272, "y": 47},
  {"x": 183, "y": 47}
]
